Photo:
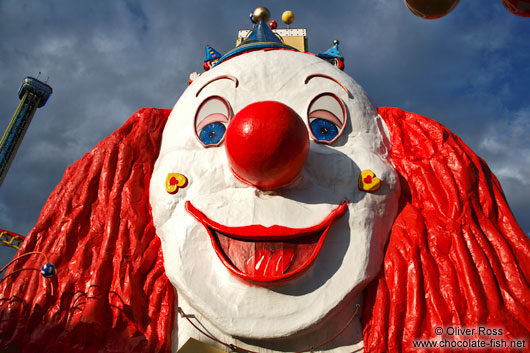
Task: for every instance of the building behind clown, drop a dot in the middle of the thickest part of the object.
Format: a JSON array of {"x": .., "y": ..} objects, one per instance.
[{"x": 273, "y": 209}]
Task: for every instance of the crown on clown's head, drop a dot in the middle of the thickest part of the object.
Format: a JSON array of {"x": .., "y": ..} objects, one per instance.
[{"x": 267, "y": 36}]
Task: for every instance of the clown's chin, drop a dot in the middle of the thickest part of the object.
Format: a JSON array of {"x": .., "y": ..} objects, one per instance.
[{"x": 267, "y": 255}]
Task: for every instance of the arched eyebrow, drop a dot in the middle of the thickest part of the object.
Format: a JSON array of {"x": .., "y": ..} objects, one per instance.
[
  {"x": 329, "y": 78},
  {"x": 228, "y": 77}
]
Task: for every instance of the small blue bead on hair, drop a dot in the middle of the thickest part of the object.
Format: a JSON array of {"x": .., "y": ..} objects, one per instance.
[{"x": 48, "y": 270}]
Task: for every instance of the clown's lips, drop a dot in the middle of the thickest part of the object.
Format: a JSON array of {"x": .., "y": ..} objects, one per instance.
[{"x": 267, "y": 254}]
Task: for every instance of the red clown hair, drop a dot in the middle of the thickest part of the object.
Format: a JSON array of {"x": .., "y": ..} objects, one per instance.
[
  {"x": 455, "y": 254},
  {"x": 110, "y": 293}
]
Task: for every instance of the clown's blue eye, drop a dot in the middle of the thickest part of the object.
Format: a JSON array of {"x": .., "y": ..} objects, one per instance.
[
  {"x": 211, "y": 120},
  {"x": 323, "y": 130},
  {"x": 326, "y": 116},
  {"x": 212, "y": 133}
]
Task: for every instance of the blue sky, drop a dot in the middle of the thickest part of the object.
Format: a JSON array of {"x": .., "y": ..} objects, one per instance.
[{"x": 469, "y": 70}]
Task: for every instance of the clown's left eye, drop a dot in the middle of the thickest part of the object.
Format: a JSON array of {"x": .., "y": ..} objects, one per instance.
[
  {"x": 211, "y": 120},
  {"x": 326, "y": 117}
]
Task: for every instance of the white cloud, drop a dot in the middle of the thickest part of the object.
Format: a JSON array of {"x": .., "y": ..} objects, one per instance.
[{"x": 504, "y": 146}]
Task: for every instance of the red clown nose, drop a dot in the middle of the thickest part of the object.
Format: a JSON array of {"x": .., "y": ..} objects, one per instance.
[{"x": 267, "y": 144}]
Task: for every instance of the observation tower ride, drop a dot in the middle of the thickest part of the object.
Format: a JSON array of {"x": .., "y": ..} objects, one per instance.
[{"x": 33, "y": 94}]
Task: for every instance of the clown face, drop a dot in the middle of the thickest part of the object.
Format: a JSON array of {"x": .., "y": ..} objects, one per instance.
[{"x": 265, "y": 225}]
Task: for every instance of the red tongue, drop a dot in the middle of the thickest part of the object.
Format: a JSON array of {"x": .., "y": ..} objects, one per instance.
[{"x": 265, "y": 264}]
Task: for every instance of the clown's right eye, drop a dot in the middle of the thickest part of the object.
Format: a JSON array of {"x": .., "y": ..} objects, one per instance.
[{"x": 211, "y": 120}]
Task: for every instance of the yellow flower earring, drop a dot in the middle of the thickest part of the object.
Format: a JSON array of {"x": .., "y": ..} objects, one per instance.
[
  {"x": 174, "y": 182},
  {"x": 368, "y": 181}
]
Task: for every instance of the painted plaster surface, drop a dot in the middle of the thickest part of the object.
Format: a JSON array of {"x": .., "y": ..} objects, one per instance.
[{"x": 353, "y": 249}]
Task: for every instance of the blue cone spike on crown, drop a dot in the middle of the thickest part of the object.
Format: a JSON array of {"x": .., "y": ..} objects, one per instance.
[
  {"x": 261, "y": 33},
  {"x": 332, "y": 53},
  {"x": 211, "y": 53},
  {"x": 260, "y": 37}
]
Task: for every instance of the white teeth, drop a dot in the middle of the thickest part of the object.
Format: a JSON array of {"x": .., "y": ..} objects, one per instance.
[
  {"x": 244, "y": 269},
  {"x": 259, "y": 262},
  {"x": 278, "y": 263}
]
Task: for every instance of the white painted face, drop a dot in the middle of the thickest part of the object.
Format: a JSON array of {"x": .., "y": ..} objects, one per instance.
[{"x": 282, "y": 283}]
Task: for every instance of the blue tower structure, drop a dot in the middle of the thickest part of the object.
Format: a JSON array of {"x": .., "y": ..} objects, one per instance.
[{"x": 33, "y": 94}]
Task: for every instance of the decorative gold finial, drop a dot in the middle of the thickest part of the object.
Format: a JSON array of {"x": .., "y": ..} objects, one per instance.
[
  {"x": 288, "y": 17},
  {"x": 261, "y": 13},
  {"x": 336, "y": 41}
]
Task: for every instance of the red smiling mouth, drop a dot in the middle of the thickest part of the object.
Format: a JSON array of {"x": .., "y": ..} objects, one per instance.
[{"x": 266, "y": 254}]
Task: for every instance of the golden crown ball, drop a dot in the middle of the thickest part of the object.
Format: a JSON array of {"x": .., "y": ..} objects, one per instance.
[
  {"x": 288, "y": 17},
  {"x": 261, "y": 13}
]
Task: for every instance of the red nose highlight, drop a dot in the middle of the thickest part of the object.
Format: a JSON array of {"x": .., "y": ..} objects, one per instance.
[{"x": 266, "y": 144}]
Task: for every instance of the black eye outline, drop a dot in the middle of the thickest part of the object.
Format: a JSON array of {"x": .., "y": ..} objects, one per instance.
[
  {"x": 212, "y": 118},
  {"x": 334, "y": 119}
]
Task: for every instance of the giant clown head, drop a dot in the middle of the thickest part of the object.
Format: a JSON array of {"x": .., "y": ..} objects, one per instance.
[
  {"x": 272, "y": 144},
  {"x": 270, "y": 202}
]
